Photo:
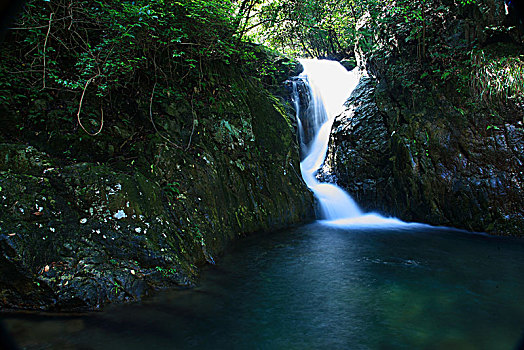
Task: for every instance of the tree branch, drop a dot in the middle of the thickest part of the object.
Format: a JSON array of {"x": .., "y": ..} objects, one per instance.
[{"x": 45, "y": 46}]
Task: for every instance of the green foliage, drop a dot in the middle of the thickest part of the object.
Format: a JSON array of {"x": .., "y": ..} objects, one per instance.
[
  {"x": 318, "y": 28},
  {"x": 101, "y": 64},
  {"x": 331, "y": 28},
  {"x": 417, "y": 25},
  {"x": 497, "y": 76},
  {"x": 117, "y": 288},
  {"x": 172, "y": 189},
  {"x": 89, "y": 51},
  {"x": 166, "y": 272}
]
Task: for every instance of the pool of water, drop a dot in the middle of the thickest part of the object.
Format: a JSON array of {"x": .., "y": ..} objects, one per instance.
[{"x": 321, "y": 287}]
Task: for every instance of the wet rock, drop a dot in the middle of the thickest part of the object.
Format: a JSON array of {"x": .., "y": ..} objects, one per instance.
[{"x": 419, "y": 160}]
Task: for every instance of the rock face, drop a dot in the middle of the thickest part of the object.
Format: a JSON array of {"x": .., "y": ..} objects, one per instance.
[
  {"x": 434, "y": 131},
  {"x": 80, "y": 234},
  {"x": 423, "y": 160},
  {"x": 302, "y": 98}
]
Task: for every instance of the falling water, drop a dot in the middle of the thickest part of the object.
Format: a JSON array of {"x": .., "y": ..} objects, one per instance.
[{"x": 329, "y": 86}]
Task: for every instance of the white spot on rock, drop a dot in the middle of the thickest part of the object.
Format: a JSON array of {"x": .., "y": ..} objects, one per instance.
[
  {"x": 83, "y": 220},
  {"x": 120, "y": 214}
]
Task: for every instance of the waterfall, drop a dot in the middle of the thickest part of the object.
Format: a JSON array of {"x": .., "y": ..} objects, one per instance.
[{"x": 329, "y": 86}]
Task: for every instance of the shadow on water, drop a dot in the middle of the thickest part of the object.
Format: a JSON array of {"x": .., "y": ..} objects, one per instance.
[{"x": 322, "y": 286}]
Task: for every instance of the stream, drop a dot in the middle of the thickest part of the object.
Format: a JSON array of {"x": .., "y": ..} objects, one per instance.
[{"x": 321, "y": 287}]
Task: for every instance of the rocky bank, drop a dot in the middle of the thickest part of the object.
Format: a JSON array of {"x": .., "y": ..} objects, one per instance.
[{"x": 82, "y": 225}]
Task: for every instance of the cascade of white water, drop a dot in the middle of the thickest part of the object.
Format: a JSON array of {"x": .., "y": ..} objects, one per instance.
[{"x": 330, "y": 85}]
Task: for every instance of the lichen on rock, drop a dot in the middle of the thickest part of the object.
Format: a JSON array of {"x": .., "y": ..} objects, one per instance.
[{"x": 78, "y": 234}]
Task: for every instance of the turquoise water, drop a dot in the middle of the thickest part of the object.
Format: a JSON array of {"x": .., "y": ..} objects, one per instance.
[{"x": 320, "y": 287}]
